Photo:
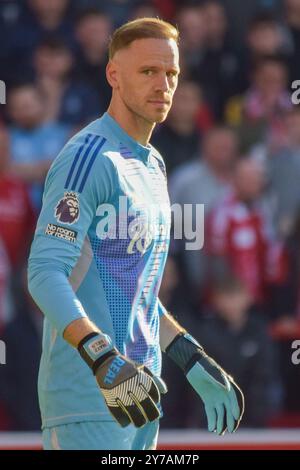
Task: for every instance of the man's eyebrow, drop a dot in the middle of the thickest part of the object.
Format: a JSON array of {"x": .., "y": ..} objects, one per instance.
[
  {"x": 156, "y": 67},
  {"x": 147, "y": 66}
]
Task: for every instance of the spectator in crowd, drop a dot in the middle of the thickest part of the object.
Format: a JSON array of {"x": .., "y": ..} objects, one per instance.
[
  {"x": 284, "y": 174},
  {"x": 265, "y": 37},
  {"x": 70, "y": 102},
  {"x": 146, "y": 9},
  {"x": 238, "y": 338},
  {"x": 240, "y": 14},
  {"x": 51, "y": 17},
  {"x": 218, "y": 70},
  {"x": 285, "y": 328},
  {"x": 6, "y": 420},
  {"x": 239, "y": 237},
  {"x": 5, "y": 302},
  {"x": 18, "y": 391},
  {"x": 38, "y": 19},
  {"x": 16, "y": 228},
  {"x": 119, "y": 11},
  {"x": 17, "y": 219},
  {"x": 216, "y": 20},
  {"x": 292, "y": 18},
  {"x": 33, "y": 143},
  {"x": 286, "y": 296},
  {"x": 93, "y": 28},
  {"x": 11, "y": 13},
  {"x": 167, "y": 9},
  {"x": 205, "y": 181},
  {"x": 173, "y": 295},
  {"x": 179, "y": 139},
  {"x": 18, "y": 396},
  {"x": 258, "y": 113},
  {"x": 192, "y": 26}
]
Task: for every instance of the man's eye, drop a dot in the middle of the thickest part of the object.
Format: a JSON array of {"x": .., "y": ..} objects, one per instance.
[
  {"x": 148, "y": 72},
  {"x": 172, "y": 74}
]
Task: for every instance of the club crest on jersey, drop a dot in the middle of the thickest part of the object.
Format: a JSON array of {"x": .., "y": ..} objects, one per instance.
[{"x": 67, "y": 209}]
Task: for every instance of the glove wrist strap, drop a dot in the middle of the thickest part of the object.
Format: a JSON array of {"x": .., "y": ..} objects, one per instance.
[
  {"x": 184, "y": 350},
  {"x": 95, "y": 348}
]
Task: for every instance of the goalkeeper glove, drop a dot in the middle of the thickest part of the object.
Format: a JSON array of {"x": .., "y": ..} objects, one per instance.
[
  {"x": 130, "y": 390},
  {"x": 223, "y": 399}
]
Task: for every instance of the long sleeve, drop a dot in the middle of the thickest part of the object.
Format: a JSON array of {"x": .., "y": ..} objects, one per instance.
[{"x": 79, "y": 180}]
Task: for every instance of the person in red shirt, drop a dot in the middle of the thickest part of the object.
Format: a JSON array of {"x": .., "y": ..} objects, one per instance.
[
  {"x": 4, "y": 281},
  {"x": 5, "y": 418},
  {"x": 17, "y": 219},
  {"x": 239, "y": 233},
  {"x": 17, "y": 222}
]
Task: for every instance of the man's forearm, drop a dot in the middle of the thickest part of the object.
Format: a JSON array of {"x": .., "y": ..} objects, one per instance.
[
  {"x": 169, "y": 329},
  {"x": 79, "y": 329}
]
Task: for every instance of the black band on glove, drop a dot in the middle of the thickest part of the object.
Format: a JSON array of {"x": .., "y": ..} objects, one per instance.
[
  {"x": 184, "y": 351},
  {"x": 95, "y": 348}
]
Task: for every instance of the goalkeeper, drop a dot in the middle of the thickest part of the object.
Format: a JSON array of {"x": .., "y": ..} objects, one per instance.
[{"x": 97, "y": 261}]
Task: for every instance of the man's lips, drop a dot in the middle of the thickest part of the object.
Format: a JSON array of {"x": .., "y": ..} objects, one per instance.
[{"x": 159, "y": 102}]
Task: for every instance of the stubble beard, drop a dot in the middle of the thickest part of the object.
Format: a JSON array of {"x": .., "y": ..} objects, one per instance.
[{"x": 138, "y": 115}]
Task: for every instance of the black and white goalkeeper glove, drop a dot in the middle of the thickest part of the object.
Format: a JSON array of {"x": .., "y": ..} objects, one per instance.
[{"x": 130, "y": 390}]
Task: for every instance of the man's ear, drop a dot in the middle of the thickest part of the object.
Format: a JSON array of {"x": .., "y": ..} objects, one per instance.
[{"x": 112, "y": 74}]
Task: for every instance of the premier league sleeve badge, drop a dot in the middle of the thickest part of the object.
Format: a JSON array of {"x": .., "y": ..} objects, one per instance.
[{"x": 67, "y": 209}]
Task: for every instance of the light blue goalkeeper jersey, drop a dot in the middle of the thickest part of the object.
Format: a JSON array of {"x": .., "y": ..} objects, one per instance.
[{"x": 99, "y": 250}]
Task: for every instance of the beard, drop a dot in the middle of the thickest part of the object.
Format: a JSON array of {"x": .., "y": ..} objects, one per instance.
[{"x": 141, "y": 114}]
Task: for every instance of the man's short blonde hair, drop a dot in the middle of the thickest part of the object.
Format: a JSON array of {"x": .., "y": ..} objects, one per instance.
[{"x": 140, "y": 29}]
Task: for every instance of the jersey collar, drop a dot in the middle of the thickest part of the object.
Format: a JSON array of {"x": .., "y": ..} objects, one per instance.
[{"x": 139, "y": 150}]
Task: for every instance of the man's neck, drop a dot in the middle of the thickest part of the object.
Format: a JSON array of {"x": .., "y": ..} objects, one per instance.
[{"x": 135, "y": 126}]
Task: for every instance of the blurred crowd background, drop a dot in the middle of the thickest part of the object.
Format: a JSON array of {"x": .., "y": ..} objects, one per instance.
[{"x": 231, "y": 142}]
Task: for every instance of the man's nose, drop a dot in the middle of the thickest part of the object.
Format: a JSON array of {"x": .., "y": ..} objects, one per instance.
[{"x": 162, "y": 83}]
